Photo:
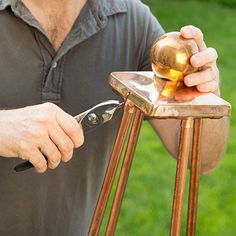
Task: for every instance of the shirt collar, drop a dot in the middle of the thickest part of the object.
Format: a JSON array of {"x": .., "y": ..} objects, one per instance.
[
  {"x": 91, "y": 19},
  {"x": 4, "y": 4},
  {"x": 105, "y": 7},
  {"x": 110, "y": 7}
]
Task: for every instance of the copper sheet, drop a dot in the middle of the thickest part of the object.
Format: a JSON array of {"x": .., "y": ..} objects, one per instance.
[{"x": 146, "y": 92}]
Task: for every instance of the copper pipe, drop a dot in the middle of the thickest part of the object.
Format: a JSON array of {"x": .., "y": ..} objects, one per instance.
[
  {"x": 181, "y": 172},
  {"x": 124, "y": 173},
  {"x": 194, "y": 179},
  {"x": 111, "y": 169}
]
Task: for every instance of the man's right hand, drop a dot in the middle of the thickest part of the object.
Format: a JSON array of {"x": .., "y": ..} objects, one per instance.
[{"x": 34, "y": 131}]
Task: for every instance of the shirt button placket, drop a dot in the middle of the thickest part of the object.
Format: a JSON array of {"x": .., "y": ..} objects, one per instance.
[{"x": 54, "y": 65}]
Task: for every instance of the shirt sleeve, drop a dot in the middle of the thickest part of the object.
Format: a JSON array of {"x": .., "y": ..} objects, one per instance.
[{"x": 151, "y": 30}]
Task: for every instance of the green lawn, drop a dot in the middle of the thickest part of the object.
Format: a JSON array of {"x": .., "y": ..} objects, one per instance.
[{"x": 147, "y": 205}]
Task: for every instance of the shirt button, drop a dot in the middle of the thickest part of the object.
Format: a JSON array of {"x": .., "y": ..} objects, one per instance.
[{"x": 54, "y": 65}]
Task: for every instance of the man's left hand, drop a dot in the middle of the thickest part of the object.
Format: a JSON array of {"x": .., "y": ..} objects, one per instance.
[{"x": 207, "y": 78}]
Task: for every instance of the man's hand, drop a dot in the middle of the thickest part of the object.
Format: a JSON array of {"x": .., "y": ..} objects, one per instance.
[
  {"x": 32, "y": 131},
  {"x": 207, "y": 79},
  {"x": 214, "y": 132}
]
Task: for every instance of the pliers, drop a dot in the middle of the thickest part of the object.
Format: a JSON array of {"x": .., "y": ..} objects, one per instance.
[{"x": 89, "y": 120}]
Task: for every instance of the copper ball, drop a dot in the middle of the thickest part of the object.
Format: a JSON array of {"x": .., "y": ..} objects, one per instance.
[{"x": 170, "y": 56}]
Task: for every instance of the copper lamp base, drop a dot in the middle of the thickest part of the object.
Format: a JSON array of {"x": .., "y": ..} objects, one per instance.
[{"x": 151, "y": 96}]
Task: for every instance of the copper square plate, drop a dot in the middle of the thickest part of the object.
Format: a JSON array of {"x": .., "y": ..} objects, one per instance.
[{"x": 151, "y": 95}]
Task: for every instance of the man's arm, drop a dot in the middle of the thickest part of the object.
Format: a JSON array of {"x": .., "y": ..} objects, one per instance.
[
  {"x": 213, "y": 142},
  {"x": 214, "y": 132}
]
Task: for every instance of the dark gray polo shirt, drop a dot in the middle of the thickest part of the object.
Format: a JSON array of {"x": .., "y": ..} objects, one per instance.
[{"x": 109, "y": 35}]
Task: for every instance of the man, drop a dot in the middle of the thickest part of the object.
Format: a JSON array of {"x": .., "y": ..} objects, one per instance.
[{"x": 55, "y": 59}]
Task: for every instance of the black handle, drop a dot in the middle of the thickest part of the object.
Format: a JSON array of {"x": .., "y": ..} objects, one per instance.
[{"x": 23, "y": 166}]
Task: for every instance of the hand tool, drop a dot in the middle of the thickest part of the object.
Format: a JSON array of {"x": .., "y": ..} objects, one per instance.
[{"x": 89, "y": 120}]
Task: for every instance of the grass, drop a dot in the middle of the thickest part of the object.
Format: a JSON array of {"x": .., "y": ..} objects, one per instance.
[{"x": 147, "y": 204}]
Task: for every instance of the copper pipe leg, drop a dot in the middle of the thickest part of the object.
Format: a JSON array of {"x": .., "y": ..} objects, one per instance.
[
  {"x": 194, "y": 179},
  {"x": 111, "y": 170},
  {"x": 124, "y": 173},
  {"x": 181, "y": 172}
]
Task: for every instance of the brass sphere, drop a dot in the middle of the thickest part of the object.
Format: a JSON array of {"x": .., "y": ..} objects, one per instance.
[{"x": 170, "y": 56}]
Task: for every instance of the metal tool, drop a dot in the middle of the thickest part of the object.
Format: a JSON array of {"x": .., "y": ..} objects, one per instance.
[{"x": 89, "y": 120}]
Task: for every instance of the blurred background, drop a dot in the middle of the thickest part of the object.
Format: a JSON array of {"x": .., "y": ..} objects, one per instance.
[{"x": 146, "y": 209}]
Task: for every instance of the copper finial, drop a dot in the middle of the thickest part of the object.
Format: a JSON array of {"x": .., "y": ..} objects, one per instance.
[{"x": 170, "y": 56}]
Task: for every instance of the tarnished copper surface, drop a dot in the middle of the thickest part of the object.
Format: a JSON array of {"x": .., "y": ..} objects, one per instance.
[
  {"x": 170, "y": 56},
  {"x": 145, "y": 91}
]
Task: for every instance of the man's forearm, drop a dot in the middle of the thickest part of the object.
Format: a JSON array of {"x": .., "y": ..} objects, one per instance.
[
  {"x": 213, "y": 139},
  {"x": 213, "y": 142}
]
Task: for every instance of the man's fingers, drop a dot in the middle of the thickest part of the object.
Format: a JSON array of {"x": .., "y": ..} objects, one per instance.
[
  {"x": 71, "y": 128},
  {"x": 37, "y": 159},
  {"x": 50, "y": 150},
  {"x": 208, "y": 79},
  {"x": 66, "y": 122},
  {"x": 207, "y": 75},
  {"x": 195, "y": 33},
  {"x": 187, "y": 94},
  {"x": 211, "y": 86},
  {"x": 63, "y": 142},
  {"x": 208, "y": 56}
]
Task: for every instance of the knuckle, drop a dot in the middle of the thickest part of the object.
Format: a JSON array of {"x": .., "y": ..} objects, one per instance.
[
  {"x": 188, "y": 27},
  {"x": 213, "y": 52},
  {"x": 72, "y": 131},
  {"x": 67, "y": 157},
  {"x": 49, "y": 106},
  {"x": 79, "y": 137},
  {"x": 35, "y": 133},
  {"x": 55, "y": 158},
  {"x": 200, "y": 57},
  {"x": 198, "y": 32},
  {"x": 25, "y": 147},
  {"x": 42, "y": 118},
  {"x": 210, "y": 70},
  {"x": 22, "y": 157},
  {"x": 53, "y": 165},
  {"x": 206, "y": 87},
  {"x": 201, "y": 88},
  {"x": 47, "y": 113},
  {"x": 73, "y": 127},
  {"x": 41, "y": 168},
  {"x": 80, "y": 141},
  {"x": 41, "y": 165},
  {"x": 207, "y": 54},
  {"x": 200, "y": 35},
  {"x": 67, "y": 147},
  {"x": 213, "y": 71},
  {"x": 215, "y": 86}
]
